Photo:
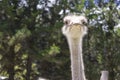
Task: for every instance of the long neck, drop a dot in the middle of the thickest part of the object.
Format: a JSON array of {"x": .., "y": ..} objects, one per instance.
[{"x": 77, "y": 66}]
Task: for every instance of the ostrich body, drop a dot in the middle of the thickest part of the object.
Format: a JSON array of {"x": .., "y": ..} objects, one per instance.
[{"x": 74, "y": 29}]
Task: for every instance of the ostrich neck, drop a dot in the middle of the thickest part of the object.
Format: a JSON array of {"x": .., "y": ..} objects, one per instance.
[{"x": 77, "y": 66}]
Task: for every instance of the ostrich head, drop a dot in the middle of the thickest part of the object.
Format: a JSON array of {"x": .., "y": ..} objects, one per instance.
[{"x": 74, "y": 26}]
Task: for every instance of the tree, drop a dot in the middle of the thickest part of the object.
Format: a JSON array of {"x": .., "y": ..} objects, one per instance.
[{"x": 31, "y": 42}]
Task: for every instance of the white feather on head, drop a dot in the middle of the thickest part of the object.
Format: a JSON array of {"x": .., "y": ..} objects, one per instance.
[{"x": 73, "y": 19}]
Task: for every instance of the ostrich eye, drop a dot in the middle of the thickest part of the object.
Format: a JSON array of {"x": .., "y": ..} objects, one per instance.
[
  {"x": 66, "y": 22},
  {"x": 84, "y": 22}
]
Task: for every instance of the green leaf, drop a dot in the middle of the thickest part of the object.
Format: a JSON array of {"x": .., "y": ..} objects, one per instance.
[
  {"x": 19, "y": 36},
  {"x": 17, "y": 47},
  {"x": 54, "y": 50},
  {"x": 99, "y": 58}
]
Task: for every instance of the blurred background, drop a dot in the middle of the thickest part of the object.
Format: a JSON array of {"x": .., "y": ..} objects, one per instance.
[{"x": 32, "y": 45}]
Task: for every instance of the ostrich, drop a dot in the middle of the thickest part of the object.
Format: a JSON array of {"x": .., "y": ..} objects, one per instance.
[{"x": 74, "y": 30}]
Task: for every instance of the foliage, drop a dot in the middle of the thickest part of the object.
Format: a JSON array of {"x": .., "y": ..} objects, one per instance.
[{"x": 32, "y": 46}]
